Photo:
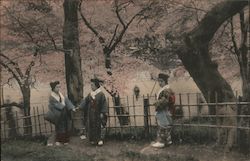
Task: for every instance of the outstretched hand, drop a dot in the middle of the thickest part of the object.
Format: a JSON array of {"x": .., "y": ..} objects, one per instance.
[{"x": 75, "y": 109}]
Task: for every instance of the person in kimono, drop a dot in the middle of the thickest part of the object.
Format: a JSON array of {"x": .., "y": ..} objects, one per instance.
[
  {"x": 163, "y": 115},
  {"x": 97, "y": 111},
  {"x": 62, "y": 104}
]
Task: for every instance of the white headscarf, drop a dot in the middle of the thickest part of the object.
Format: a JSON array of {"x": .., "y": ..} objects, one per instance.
[{"x": 56, "y": 96}]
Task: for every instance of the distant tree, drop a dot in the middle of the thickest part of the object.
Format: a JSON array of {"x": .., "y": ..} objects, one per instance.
[
  {"x": 241, "y": 51},
  {"x": 28, "y": 38},
  {"x": 109, "y": 44},
  {"x": 193, "y": 50}
]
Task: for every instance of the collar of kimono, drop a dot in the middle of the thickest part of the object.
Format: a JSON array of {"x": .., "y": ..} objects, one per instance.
[
  {"x": 94, "y": 93},
  {"x": 56, "y": 96},
  {"x": 162, "y": 89}
]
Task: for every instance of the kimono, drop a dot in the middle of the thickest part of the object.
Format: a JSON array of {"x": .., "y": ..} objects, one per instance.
[
  {"x": 96, "y": 105},
  {"x": 63, "y": 105},
  {"x": 163, "y": 115}
]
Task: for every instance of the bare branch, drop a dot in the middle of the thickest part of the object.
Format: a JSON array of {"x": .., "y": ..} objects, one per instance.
[
  {"x": 51, "y": 38},
  {"x": 15, "y": 64},
  {"x": 21, "y": 25},
  {"x": 28, "y": 70},
  {"x": 236, "y": 49},
  {"x": 8, "y": 81},
  {"x": 190, "y": 7},
  {"x": 139, "y": 13},
  {"x": 243, "y": 27},
  {"x": 12, "y": 72},
  {"x": 114, "y": 35},
  {"x": 117, "y": 11},
  {"x": 101, "y": 39}
]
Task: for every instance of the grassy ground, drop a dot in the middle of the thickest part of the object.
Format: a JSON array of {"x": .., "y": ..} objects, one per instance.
[{"x": 78, "y": 150}]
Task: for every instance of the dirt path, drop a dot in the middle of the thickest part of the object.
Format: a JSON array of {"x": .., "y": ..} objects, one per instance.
[{"x": 112, "y": 150}]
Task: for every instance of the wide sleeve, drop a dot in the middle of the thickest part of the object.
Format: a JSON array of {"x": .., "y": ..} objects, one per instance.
[
  {"x": 69, "y": 104},
  {"x": 84, "y": 103},
  {"x": 163, "y": 101},
  {"x": 54, "y": 104},
  {"x": 104, "y": 108}
]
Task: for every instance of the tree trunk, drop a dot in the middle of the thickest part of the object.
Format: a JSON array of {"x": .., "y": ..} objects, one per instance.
[
  {"x": 193, "y": 51},
  {"x": 26, "y": 109},
  {"x": 244, "y": 62},
  {"x": 11, "y": 121},
  {"x": 73, "y": 73}
]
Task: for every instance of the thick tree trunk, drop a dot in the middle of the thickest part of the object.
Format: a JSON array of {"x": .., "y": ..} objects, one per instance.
[
  {"x": 194, "y": 53},
  {"x": 26, "y": 109},
  {"x": 74, "y": 78}
]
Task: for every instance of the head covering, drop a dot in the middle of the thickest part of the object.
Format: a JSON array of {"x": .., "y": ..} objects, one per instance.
[
  {"x": 96, "y": 81},
  {"x": 163, "y": 76},
  {"x": 53, "y": 84}
]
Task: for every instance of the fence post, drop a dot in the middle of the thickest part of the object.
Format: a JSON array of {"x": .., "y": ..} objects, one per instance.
[
  {"x": 238, "y": 113},
  {"x": 39, "y": 123},
  {"x": 217, "y": 119},
  {"x": 135, "y": 133},
  {"x": 45, "y": 126},
  {"x": 4, "y": 129},
  {"x": 181, "y": 107},
  {"x": 189, "y": 111},
  {"x": 34, "y": 111},
  {"x": 146, "y": 105},
  {"x": 17, "y": 126}
]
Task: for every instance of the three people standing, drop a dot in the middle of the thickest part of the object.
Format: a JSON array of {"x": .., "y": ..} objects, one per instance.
[{"x": 96, "y": 110}]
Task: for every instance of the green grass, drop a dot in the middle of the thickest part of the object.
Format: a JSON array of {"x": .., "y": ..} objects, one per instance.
[{"x": 33, "y": 151}]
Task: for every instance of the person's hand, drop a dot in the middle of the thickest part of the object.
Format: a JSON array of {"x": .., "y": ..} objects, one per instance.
[
  {"x": 101, "y": 115},
  {"x": 74, "y": 109}
]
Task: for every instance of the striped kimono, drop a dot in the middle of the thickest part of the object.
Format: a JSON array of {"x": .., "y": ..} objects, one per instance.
[{"x": 163, "y": 115}]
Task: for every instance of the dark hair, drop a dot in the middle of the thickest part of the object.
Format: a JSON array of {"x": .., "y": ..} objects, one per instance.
[
  {"x": 164, "y": 77},
  {"x": 96, "y": 82},
  {"x": 53, "y": 85}
]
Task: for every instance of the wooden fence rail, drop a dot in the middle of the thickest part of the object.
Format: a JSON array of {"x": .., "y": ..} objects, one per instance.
[{"x": 135, "y": 117}]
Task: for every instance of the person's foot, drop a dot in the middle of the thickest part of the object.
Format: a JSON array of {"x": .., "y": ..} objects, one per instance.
[
  {"x": 65, "y": 143},
  {"x": 170, "y": 142},
  {"x": 57, "y": 143},
  {"x": 49, "y": 144},
  {"x": 100, "y": 143},
  {"x": 83, "y": 137},
  {"x": 158, "y": 145}
]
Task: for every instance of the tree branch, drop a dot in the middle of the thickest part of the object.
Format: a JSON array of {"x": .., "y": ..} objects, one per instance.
[
  {"x": 204, "y": 32},
  {"x": 51, "y": 38},
  {"x": 117, "y": 11},
  {"x": 12, "y": 72},
  {"x": 21, "y": 25},
  {"x": 101, "y": 39},
  {"x": 113, "y": 37},
  {"x": 236, "y": 49},
  {"x": 15, "y": 64}
]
